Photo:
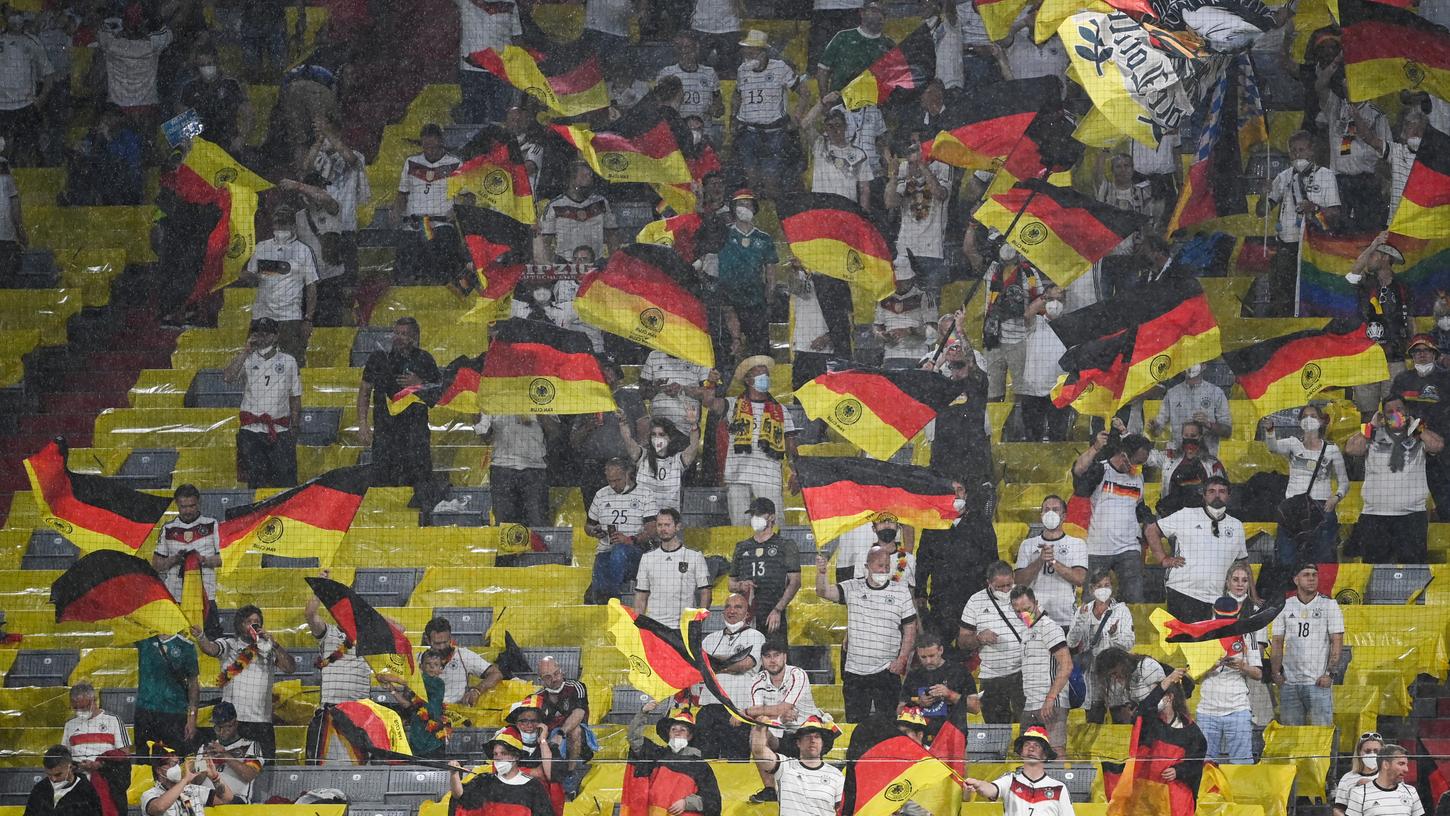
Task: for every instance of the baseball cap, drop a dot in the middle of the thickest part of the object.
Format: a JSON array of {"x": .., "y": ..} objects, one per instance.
[
  {"x": 761, "y": 506},
  {"x": 223, "y": 712}
]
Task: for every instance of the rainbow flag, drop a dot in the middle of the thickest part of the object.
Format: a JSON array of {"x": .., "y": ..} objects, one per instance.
[{"x": 1324, "y": 260}]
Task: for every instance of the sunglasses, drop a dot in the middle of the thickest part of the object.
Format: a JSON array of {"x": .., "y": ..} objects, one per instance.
[{"x": 1371, "y": 735}]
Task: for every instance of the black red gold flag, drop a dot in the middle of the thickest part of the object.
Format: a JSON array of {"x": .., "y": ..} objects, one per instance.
[
  {"x": 533, "y": 367},
  {"x": 368, "y": 631},
  {"x": 107, "y": 586},
  {"x": 844, "y": 492},
  {"x": 307, "y": 521},
  {"x": 877, "y": 410},
  {"x": 92, "y": 512}
]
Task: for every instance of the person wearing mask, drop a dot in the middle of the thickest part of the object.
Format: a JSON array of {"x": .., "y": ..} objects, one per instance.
[
  {"x": 402, "y": 451},
  {"x": 1101, "y": 623},
  {"x": 1041, "y": 420},
  {"x": 762, "y": 435},
  {"x": 989, "y": 627},
  {"x": 837, "y": 166},
  {"x": 507, "y": 785},
  {"x": 884, "y": 531},
  {"x": 249, "y": 659},
  {"x": 1384, "y": 306},
  {"x": 1400, "y": 155},
  {"x": 881, "y": 629},
  {"x": 951, "y": 562},
  {"x": 1425, "y": 388},
  {"x": 934, "y": 686},
  {"x": 763, "y": 137},
  {"x": 1053, "y": 563},
  {"x": 179, "y": 787},
  {"x": 852, "y": 50},
  {"x": 286, "y": 276},
  {"x": 1393, "y": 525},
  {"x": 1012, "y": 285},
  {"x": 1169, "y": 742},
  {"x": 1124, "y": 189},
  {"x": 237, "y": 759},
  {"x": 62, "y": 791},
  {"x": 460, "y": 663},
  {"x": 679, "y": 782},
  {"x": 1030, "y": 783},
  {"x": 581, "y": 216},
  {"x": 518, "y": 466},
  {"x": 765, "y": 569},
  {"x": 1363, "y": 769},
  {"x": 132, "y": 56},
  {"x": 340, "y": 173},
  {"x": 428, "y": 245},
  {"x": 904, "y": 318},
  {"x": 1112, "y": 478},
  {"x": 190, "y": 532},
  {"x": 1195, "y": 399},
  {"x": 671, "y": 577},
  {"x": 1185, "y": 470},
  {"x": 661, "y": 467},
  {"x": 1308, "y": 636},
  {"x": 1330, "y": 486},
  {"x": 920, "y": 190},
  {"x": 220, "y": 102},
  {"x": 1125, "y": 678},
  {"x": 525, "y": 721},
  {"x": 91, "y": 731},
  {"x": 804, "y": 784},
  {"x": 1223, "y": 699},
  {"x": 960, "y": 449},
  {"x": 735, "y": 652},
  {"x": 622, "y": 517},
  {"x": 271, "y": 408},
  {"x": 1308, "y": 199},
  {"x": 1387, "y": 794},
  {"x": 1046, "y": 667},
  {"x": 1207, "y": 541},
  {"x": 746, "y": 263},
  {"x": 596, "y": 438}
]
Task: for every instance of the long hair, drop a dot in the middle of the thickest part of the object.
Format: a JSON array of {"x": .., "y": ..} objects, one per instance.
[{"x": 678, "y": 442}]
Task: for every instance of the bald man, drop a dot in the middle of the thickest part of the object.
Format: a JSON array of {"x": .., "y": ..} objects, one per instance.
[
  {"x": 566, "y": 714},
  {"x": 735, "y": 651}
]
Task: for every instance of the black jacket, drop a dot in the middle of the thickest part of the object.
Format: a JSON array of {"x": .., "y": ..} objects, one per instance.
[{"x": 80, "y": 800}]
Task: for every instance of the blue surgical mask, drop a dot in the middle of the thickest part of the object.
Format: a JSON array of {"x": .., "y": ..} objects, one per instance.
[{"x": 761, "y": 382}]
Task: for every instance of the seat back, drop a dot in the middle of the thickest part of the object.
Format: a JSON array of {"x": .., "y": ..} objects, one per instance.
[
  {"x": 209, "y": 390},
  {"x": 319, "y": 426},
  {"x": 470, "y": 623},
  {"x": 386, "y": 587},
  {"x": 149, "y": 468},
  {"x": 42, "y": 667}
]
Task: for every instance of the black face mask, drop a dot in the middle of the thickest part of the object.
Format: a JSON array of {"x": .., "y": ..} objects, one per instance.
[{"x": 886, "y": 534}]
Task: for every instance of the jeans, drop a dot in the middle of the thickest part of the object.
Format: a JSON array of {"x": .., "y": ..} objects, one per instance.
[
  {"x": 1128, "y": 567},
  {"x": 762, "y": 150},
  {"x": 486, "y": 98},
  {"x": 1306, "y": 704},
  {"x": 611, "y": 570},
  {"x": 1230, "y": 737},
  {"x": 1317, "y": 546}
]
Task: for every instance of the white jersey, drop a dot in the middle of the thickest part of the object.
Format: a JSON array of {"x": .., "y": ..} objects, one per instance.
[
  {"x": 426, "y": 184},
  {"x": 701, "y": 86},
  {"x": 284, "y": 270},
  {"x": 200, "y": 536},
  {"x": 874, "y": 618},
  {"x": 1373, "y": 800},
  {"x": 660, "y": 367},
  {"x": 1290, "y": 188},
  {"x": 348, "y": 677},
  {"x": 808, "y": 791},
  {"x": 1225, "y": 691},
  {"x": 1306, "y": 629},
  {"x": 663, "y": 478},
  {"x": 763, "y": 93},
  {"x": 462, "y": 664},
  {"x": 672, "y": 579},
  {"x": 89, "y": 737},
  {"x": 1348, "y": 784},
  {"x": 723, "y": 645},
  {"x": 625, "y": 512},
  {"x": 247, "y": 751},
  {"x": 983, "y": 613},
  {"x": 1057, "y": 595},
  {"x": 271, "y": 384},
  {"x": 794, "y": 688},
  {"x": 1039, "y": 662},
  {"x": 1021, "y": 796},
  {"x": 1208, "y": 548}
]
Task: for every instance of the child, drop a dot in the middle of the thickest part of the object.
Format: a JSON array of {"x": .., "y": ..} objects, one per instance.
[{"x": 428, "y": 726}]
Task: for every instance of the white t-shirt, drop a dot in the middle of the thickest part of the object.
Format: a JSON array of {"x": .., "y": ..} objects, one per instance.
[
  {"x": 1388, "y": 493},
  {"x": 23, "y": 65},
  {"x": 661, "y": 367},
  {"x": 1350, "y": 780},
  {"x": 1208, "y": 556},
  {"x": 464, "y": 663},
  {"x": 663, "y": 478},
  {"x": 722, "y": 644},
  {"x": 608, "y": 16},
  {"x": 1021, "y": 796},
  {"x": 1005, "y": 656},
  {"x": 199, "y": 536},
  {"x": 838, "y": 169},
  {"x": 852, "y": 545},
  {"x": 347, "y": 184},
  {"x": 577, "y": 223},
  {"x": 701, "y": 85},
  {"x": 809, "y": 323},
  {"x": 1186, "y": 399},
  {"x": 1028, "y": 60},
  {"x": 716, "y": 17},
  {"x": 484, "y": 24},
  {"x": 1349, "y": 155},
  {"x": 874, "y": 617},
  {"x": 89, "y": 737},
  {"x": 1225, "y": 691},
  {"x": 131, "y": 67},
  {"x": 243, "y": 749},
  {"x": 1305, "y": 629},
  {"x": 349, "y": 677},
  {"x": 923, "y": 218},
  {"x": 763, "y": 93},
  {"x": 426, "y": 184},
  {"x": 282, "y": 284},
  {"x": 626, "y": 512},
  {"x": 808, "y": 791},
  {"x": 518, "y": 441},
  {"x": 251, "y": 690},
  {"x": 948, "y": 39},
  {"x": 1057, "y": 595},
  {"x": 191, "y": 802},
  {"x": 1319, "y": 187},
  {"x": 1039, "y": 664},
  {"x": 754, "y": 466},
  {"x": 1114, "y": 526},
  {"x": 912, "y": 310},
  {"x": 1156, "y": 161},
  {"x": 271, "y": 383},
  {"x": 671, "y": 579},
  {"x": 1373, "y": 800}
]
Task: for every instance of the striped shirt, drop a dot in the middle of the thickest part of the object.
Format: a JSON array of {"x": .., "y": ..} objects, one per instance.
[
  {"x": 723, "y": 644},
  {"x": 982, "y": 615},
  {"x": 1348, "y": 784},
  {"x": 874, "y": 618},
  {"x": 700, "y": 85},
  {"x": 1039, "y": 664},
  {"x": 346, "y": 679},
  {"x": 808, "y": 791},
  {"x": 794, "y": 688},
  {"x": 663, "y": 478},
  {"x": 1021, "y": 796},
  {"x": 763, "y": 93},
  {"x": 1373, "y": 800},
  {"x": 271, "y": 383},
  {"x": 626, "y": 512},
  {"x": 89, "y": 737},
  {"x": 250, "y": 691},
  {"x": 199, "y": 536},
  {"x": 662, "y": 368},
  {"x": 1401, "y": 159},
  {"x": 754, "y": 466}
]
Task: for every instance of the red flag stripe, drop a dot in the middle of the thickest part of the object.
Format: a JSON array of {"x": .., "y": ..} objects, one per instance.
[
  {"x": 114, "y": 597},
  {"x": 578, "y": 79},
  {"x": 835, "y": 225},
  {"x": 634, "y": 277},
  {"x": 839, "y": 499},
  {"x": 55, "y": 487},
  {"x": 882, "y": 397},
  {"x": 1292, "y": 357},
  {"x": 1188, "y": 319},
  {"x": 1427, "y": 187},
  {"x": 1086, "y": 235},
  {"x": 316, "y": 506},
  {"x": 1368, "y": 40},
  {"x": 536, "y": 359}
]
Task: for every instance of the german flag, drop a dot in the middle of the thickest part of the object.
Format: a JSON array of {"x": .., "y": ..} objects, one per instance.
[
  {"x": 231, "y": 242},
  {"x": 885, "y": 768},
  {"x": 92, "y": 512},
  {"x": 636, "y": 297},
  {"x": 1061, "y": 231},
  {"x": 1286, "y": 372},
  {"x": 567, "y": 81},
  {"x": 950, "y": 743},
  {"x": 1387, "y": 49},
  {"x": 110, "y": 586},
  {"x": 659, "y": 663},
  {"x": 677, "y": 232},
  {"x": 1178, "y": 330},
  {"x": 1051, "y": 13},
  {"x": 1219, "y": 628},
  {"x": 1424, "y": 210},
  {"x": 843, "y": 492},
  {"x": 457, "y": 389},
  {"x": 907, "y": 67},
  {"x": 205, "y": 168},
  {"x": 533, "y": 367},
  {"x": 876, "y": 410},
  {"x": 1215, "y": 186},
  {"x": 367, "y": 728},
  {"x": 1095, "y": 375},
  {"x": 308, "y": 520},
  {"x": 498, "y": 250},
  {"x": 692, "y": 623},
  {"x": 640, "y": 149},
  {"x": 368, "y": 631},
  {"x": 989, "y": 125},
  {"x": 195, "y": 604},
  {"x": 831, "y": 235},
  {"x": 497, "y": 178},
  {"x": 1138, "y": 787},
  {"x": 487, "y": 795}
]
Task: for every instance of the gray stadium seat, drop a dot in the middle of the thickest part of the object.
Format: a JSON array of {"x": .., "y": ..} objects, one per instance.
[
  {"x": 567, "y": 657},
  {"x": 225, "y": 618},
  {"x": 470, "y": 623},
  {"x": 208, "y": 390},
  {"x": 386, "y": 587},
  {"x": 1078, "y": 779},
  {"x": 816, "y": 661},
  {"x": 48, "y": 550},
  {"x": 289, "y": 562},
  {"x": 989, "y": 742},
  {"x": 805, "y": 541},
  {"x": 319, "y": 427},
  {"x": 306, "y": 669},
  {"x": 367, "y": 341},
  {"x": 15, "y": 784},
  {"x": 37, "y": 270},
  {"x": 467, "y": 743},
  {"x": 477, "y": 503},
  {"x": 42, "y": 667},
  {"x": 625, "y": 703},
  {"x": 417, "y": 780},
  {"x": 215, "y": 503},
  {"x": 1396, "y": 584},
  {"x": 149, "y": 468},
  {"x": 121, "y": 702},
  {"x": 705, "y": 507}
]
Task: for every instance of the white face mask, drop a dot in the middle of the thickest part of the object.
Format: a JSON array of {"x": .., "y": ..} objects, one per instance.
[
  {"x": 85, "y": 715},
  {"x": 1215, "y": 512},
  {"x": 1424, "y": 369},
  {"x": 1000, "y": 595},
  {"x": 659, "y": 443},
  {"x": 1103, "y": 594},
  {"x": 959, "y": 505},
  {"x": 173, "y": 773},
  {"x": 1413, "y": 142},
  {"x": 542, "y": 295},
  {"x": 744, "y": 213},
  {"x": 1353, "y": 278},
  {"x": 1300, "y": 165},
  {"x": 761, "y": 382},
  {"x": 1007, "y": 253},
  {"x": 1053, "y": 309},
  {"x": 283, "y": 236},
  {"x": 1194, "y": 371},
  {"x": 1309, "y": 424},
  {"x": 877, "y": 578},
  {"x": 1443, "y": 322},
  {"x": 758, "y": 523},
  {"x": 1371, "y": 762},
  {"x": 529, "y": 737},
  {"x": 502, "y": 766},
  {"x": 1051, "y": 519},
  {"x": 554, "y": 690},
  {"x": 208, "y": 72},
  {"x": 678, "y": 744},
  {"x": 1237, "y": 596},
  {"x": 732, "y": 628}
]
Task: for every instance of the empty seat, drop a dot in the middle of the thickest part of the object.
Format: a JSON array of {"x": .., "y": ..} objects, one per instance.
[
  {"x": 456, "y": 136},
  {"x": 705, "y": 507},
  {"x": 306, "y": 669},
  {"x": 42, "y": 667},
  {"x": 1396, "y": 583},
  {"x": 368, "y": 784},
  {"x": 319, "y": 426},
  {"x": 37, "y": 270},
  {"x": 121, "y": 702},
  {"x": 48, "y": 550},
  {"x": 290, "y": 562},
  {"x": 290, "y": 783},
  {"x": 1078, "y": 780},
  {"x": 559, "y": 549},
  {"x": 989, "y": 741},
  {"x": 225, "y": 619},
  {"x": 815, "y": 661},
  {"x": 470, "y": 623},
  {"x": 467, "y": 743},
  {"x": 626, "y": 702},
  {"x": 386, "y": 587},
  {"x": 149, "y": 468},
  {"x": 429, "y": 781},
  {"x": 367, "y": 341},
  {"x": 215, "y": 503},
  {"x": 209, "y": 390},
  {"x": 16, "y": 783},
  {"x": 464, "y": 507},
  {"x": 805, "y": 541},
  {"x": 566, "y": 656}
]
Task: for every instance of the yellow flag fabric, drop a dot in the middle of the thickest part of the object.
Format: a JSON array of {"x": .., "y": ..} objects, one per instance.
[
  {"x": 242, "y": 220},
  {"x": 1200, "y": 657},
  {"x": 1307, "y": 749},
  {"x": 1132, "y": 85},
  {"x": 1264, "y": 785},
  {"x": 217, "y": 167}
]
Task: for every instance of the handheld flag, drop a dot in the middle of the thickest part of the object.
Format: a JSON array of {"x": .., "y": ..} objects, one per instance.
[
  {"x": 568, "y": 81},
  {"x": 1388, "y": 49},
  {"x": 907, "y": 67},
  {"x": 1220, "y": 628},
  {"x": 877, "y": 410},
  {"x": 497, "y": 248},
  {"x": 1135, "y": 88},
  {"x": 1288, "y": 371},
  {"x": 1215, "y": 186},
  {"x": 1137, "y": 786},
  {"x": 92, "y": 512},
  {"x": 195, "y": 603},
  {"x": 457, "y": 390},
  {"x": 659, "y": 663},
  {"x": 986, "y": 126},
  {"x": 207, "y": 166},
  {"x": 533, "y": 367},
  {"x": 677, "y": 232},
  {"x": 364, "y": 728},
  {"x": 106, "y": 586},
  {"x": 845, "y": 492},
  {"x": 641, "y": 148},
  {"x": 885, "y": 768},
  {"x": 309, "y": 520},
  {"x": 369, "y": 632},
  {"x": 998, "y": 16},
  {"x": 1061, "y": 231},
  {"x": 231, "y": 242},
  {"x": 831, "y": 235},
  {"x": 1325, "y": 259},
  {"x": 638, "y": 296},
  {"x": 1424, "y": 208},
  {"x": 496, "y": 177}
]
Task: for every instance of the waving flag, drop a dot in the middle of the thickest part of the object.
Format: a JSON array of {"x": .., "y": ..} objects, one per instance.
[
  {"x": 885, "y": 768},
  {"x": 659, "y": 663},
  {"x": 497, "y": 178},
  {"x": 641, "y": 148},
  {"x": 307, "y": 521},
  {"x": 1388, "y": 49},
  {"x": 987, "y": 125},
  {"x": 498, "y": 247},
  {"x": 1424, "y": 209},
  {"x": 1061, "y": 231},
  {"x": 1135, "y": 88},
  {"x": 112, "y": 587},
  {"x": 1324, "y": 260},
  {"x": 1215, "y": 185},
  {"x": 831, "y": 235},
  {"x": 361, "y": 729},
  {"x": 877, "y": 410},
  {"x": 369, "y": 632},
  {"x": 195, "y": 603},
  {"x": 998, "y": 16},
  {"x": 1288, "y": 371},
  {"x": 844, "y": 492},
  {"x": 92, "y": 512},
  {"x": 206, "y": 168},
  {"x": 533, "y": 367},
  {"x": 567, "y": 81},
  {"x": 638, "y": 296},
  {"x": 231, "y": 242},
  {"x": 907, "y": 67},
  {"x": 677, "y": 232}
]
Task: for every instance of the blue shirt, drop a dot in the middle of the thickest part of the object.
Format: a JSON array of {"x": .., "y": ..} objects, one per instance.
[{"x": 743, "y": 259}]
